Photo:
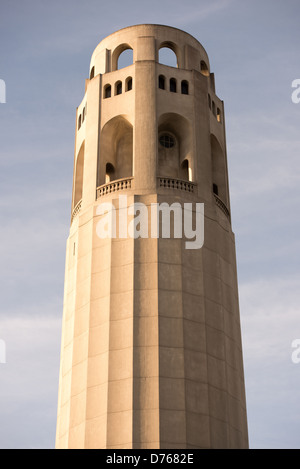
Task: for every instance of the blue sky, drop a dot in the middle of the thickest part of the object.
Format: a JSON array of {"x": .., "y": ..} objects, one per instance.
[{"x": 45, "y": 50}]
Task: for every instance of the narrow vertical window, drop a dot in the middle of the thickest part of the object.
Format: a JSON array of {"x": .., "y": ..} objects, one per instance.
[
  {"x": 214, "y": 108},
  {"x": 118, "y": 88},
  {"x": 215, "y": 189},
  {"x": 92, "y": 74},
  {"x": 161, "y": 82},
  {"x": 107, "y": 91},
  {"x": 184, "y": 87},
  {"x": 128, "y": 84},
  {"x": 218, "y": 115},
  {"x": 173, "y": 85},
  {"x": 209, "y": 101},
  {"x": 109, "y": 173},
  {"x": 79, "y": 122},
  {"x": 185, "y": 170}
]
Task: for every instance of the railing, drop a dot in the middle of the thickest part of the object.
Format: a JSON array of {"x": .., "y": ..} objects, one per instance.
[
  {"x": 172, "y": 183},
  {"x": 114, "y": 186},
  {"x": 76, "y": 210},
  {"x": 222, "y": 206}
]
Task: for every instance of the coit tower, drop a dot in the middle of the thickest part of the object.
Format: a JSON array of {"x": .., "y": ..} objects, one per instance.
[{"x": 151, "y": 353}]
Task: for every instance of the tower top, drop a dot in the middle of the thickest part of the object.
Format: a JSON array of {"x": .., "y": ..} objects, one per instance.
[
  {"x": 153, "y": 27},
  {"x": 188, "y": 50}
]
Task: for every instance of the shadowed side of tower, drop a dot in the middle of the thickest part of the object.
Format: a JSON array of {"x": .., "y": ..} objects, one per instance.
[{"x": 151, "y": 353}]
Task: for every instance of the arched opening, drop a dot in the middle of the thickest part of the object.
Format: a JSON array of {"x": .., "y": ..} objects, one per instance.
[
  {"x": 161, "y": 82},
  {"x": 107, "y": 91},
  {"x": 184, "y": 171},
  {"x": 116, "y": 150},
  {"x": 167, "y": 55},
  {"x": 218, "y": 169},
  {"x": 79, "y": 122},
  {"x": 122, "y": 57},
  {"x": 92, "y": 74},
  {"x": 118, "y": 88},
  {"x": 204, "y": 68},
  {"x": 218, "y": 115},
  {"x": 83, "y": 115},
  {"x": 174, "y": 147},
  {"x": 128, "y": 84},
  {"x": 125, "y": 59},
  {"x": 79, "y": 176},
  {"x": 173, "y": 85},
  {"x": 184, "y": 87},
  {"x": 109, "y": 173}
]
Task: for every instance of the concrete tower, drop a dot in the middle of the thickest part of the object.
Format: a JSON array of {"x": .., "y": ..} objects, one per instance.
[{"x": 151, "y": 351}]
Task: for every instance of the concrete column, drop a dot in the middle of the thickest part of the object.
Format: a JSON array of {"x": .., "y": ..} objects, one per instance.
[{"x": 145, "y": 132}]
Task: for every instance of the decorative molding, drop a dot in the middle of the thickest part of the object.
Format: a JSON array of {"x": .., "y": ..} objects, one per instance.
[
  {"x": 114, "y": 186},
  {"x": 76, "y": 210},
  {"x": 222, "y": 206},
  {"x": 172, "y": 183}
]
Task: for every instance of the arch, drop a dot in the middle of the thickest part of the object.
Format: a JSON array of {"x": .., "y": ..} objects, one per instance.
[
  {"x": 116, "y": 150},
  {"x": 162, "y": 82},
  {"x": 78, "y": 181},
  {"x": 79, "y": 122},
  {"x": 168, "y": 55},
  {"x": 204, "y": 68},
  {"x": 219, "y": 177},
  {"x": 122, "y": 57},
  {"x": 128, "y": 84},
  {"x": 92, "y": 74},
  {"x": 219, "y": 115},
  {"x": 118, "y": 88},
  {"x": 172, "y": 157},
  {"x": 173, "y": 85},
  {"x": 184, "y": 87},
  {"x": 107, "y": 91}
]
